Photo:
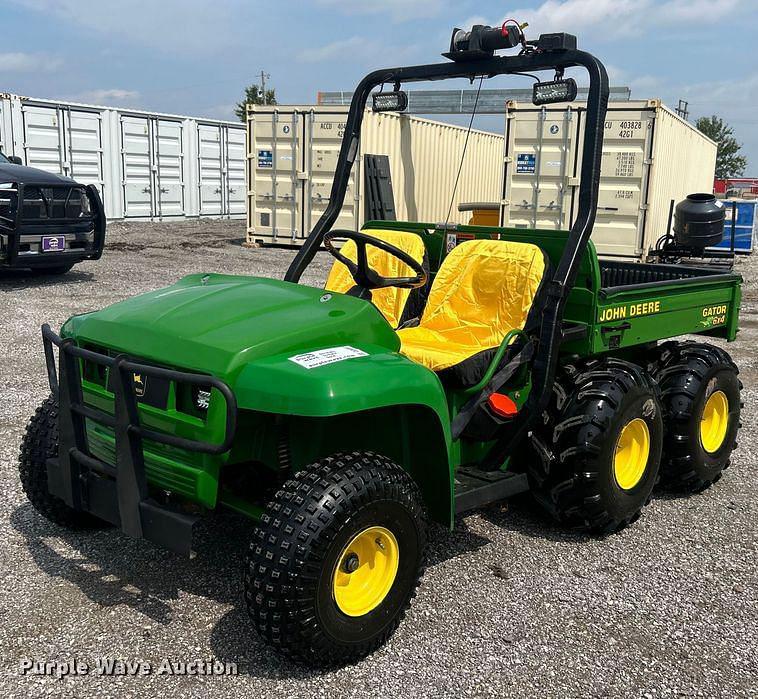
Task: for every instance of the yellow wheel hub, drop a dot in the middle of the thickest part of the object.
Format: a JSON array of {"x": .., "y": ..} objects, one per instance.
[
  {"x": 365, "y": 571},
  {"x": 632, "y": 452},
  {"x": 715, "y": 422}
]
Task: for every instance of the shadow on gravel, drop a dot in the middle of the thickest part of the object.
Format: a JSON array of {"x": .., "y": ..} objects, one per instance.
[
  {"x": 111, "y": 570},
  {"x": 20, "y": 279},
  {"x": 524, "y": 516}
]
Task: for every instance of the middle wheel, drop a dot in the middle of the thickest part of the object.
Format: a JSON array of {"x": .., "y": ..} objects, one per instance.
[{"x": 597, "y": 452}]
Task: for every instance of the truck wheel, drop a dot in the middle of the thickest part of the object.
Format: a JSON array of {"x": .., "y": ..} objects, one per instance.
[
  {"x": 596, "y": 455},
  {"x": 701, "y": 407},
  {"x": 39, "y": 444},
  {"x": 336, "y": 559}
]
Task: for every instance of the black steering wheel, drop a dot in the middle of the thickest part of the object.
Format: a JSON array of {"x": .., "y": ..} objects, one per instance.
[{"x": 364, "y": 276}]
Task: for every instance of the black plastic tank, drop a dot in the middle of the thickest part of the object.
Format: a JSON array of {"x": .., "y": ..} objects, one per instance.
[{"x": 699, "y": 221}]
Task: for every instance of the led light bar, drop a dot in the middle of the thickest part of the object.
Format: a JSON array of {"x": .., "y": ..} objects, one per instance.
[
  {"x": 554, "y": 91},
  {"x": 395, "y": 101}
]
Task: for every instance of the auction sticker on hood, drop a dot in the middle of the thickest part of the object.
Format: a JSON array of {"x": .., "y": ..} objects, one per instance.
[{"x": 312, "y": 360}]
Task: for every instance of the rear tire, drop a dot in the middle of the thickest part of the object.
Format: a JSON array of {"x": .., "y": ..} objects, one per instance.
[
  {"x": 595, "y": 456},
  {"x": 360, "y": 510},
  {"x": 701, "y": 404},
  {"x": 39, "y": 444}
]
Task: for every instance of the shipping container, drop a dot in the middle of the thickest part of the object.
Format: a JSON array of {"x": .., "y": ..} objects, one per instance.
[
  {"x": 650, "y": 156},
  {"x": 146, "y": 165},
  {"x": 742, "y": 217},
  {"x": 292, "y": 155}
]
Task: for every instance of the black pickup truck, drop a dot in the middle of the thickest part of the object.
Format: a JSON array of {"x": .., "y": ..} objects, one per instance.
[{"x": 48, "y": 223}]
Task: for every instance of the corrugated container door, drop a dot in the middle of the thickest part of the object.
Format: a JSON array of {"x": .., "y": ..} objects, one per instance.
[
  {"x": 84, "y": 146},
  {"x": 136, "y": 166},
  {"x": 540, "y": 167},
  {"x": 210, "y": 168},
  {"x": 235, "y": 170},
  {"x": 324, "y": 133},
  {"x": 168, "y": 157},
  {"x": 44, "y": 146},
  {"x": 276, "y": 156},
  {"x": 622, "y": 198}
]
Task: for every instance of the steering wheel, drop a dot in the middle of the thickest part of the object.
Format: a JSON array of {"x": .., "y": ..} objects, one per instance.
[{"x": 364, "y": 276}]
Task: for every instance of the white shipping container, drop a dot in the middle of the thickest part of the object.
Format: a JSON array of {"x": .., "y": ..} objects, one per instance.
[
  {"x": 292, "y": 156},
  {"x": 650, "y": 156},
  {"x": 146, "y": 165}
]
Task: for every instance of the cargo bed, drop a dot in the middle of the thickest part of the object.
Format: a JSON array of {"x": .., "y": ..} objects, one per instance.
[
  {"x": 614, "y": 304},
  {"x": 639, "y": 303}
]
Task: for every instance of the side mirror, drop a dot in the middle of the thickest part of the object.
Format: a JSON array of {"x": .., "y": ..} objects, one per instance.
[{"x": 15, "y": 159}]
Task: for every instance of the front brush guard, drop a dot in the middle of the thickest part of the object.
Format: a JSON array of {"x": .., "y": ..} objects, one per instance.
[{"x": 118, "y": 493}]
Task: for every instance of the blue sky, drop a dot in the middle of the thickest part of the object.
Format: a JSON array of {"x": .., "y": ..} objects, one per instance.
[{"x": 194, "y": 56}]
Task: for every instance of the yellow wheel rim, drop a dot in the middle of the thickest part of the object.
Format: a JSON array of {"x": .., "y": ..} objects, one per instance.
[
  {"x": 365, "y": 571},
  {"x": 715, "y": 422},
  {"x": 632, "y": 452}
]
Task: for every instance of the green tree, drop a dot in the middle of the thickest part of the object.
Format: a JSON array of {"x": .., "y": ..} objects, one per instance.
[
  {"x": 729, "y": 162},
  {"x": 253, "y": 95}
]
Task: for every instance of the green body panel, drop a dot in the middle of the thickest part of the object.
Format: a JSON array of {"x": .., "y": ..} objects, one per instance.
[
  {"x": 217, "y": 324},
  {"x": 246, "y": 330},
  {"x": 688, "y": 306}
]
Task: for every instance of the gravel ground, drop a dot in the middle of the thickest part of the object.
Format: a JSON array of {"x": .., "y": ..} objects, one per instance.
[{"x": 510, "y": 605}]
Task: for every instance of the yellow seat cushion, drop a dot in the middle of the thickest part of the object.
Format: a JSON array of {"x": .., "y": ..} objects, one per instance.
[
  {"x": 483, "y": 290},
  {"x": 390, "y": 301}
]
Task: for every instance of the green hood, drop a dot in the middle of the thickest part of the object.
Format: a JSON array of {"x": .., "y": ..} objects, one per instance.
[{"x": 217, "y": 323}]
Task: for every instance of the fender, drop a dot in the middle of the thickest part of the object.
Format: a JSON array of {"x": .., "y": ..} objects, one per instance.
[{"x": 382, "y": 379}]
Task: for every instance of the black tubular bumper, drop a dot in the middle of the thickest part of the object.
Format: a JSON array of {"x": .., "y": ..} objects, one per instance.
[
  {"x": 118, "y": 493},
  {"x": 15, "y": 229}
]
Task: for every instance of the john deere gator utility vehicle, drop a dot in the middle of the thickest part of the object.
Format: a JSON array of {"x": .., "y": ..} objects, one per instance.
[{"x": 443, "y": 368}]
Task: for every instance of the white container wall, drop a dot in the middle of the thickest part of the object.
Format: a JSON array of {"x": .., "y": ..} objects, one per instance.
[
  {"x": 146, "y": 165},
  {"x": 650, "y": 156},
  {"x": 292, "y": 156}
]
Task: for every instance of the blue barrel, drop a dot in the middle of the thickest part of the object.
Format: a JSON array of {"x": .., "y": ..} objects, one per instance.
[{"x": 746, "y": 222}]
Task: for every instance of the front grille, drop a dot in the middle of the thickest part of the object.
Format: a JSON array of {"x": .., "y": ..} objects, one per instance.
[
  {"x": 52, "y": 203},
  {"x": 162, "y": 472},
  {"x": 190, "y": 400}
]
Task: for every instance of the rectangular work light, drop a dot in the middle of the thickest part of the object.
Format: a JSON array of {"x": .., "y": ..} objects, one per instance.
[
  {"x": 395, "y": 101},
  {"x": 554, "y": 91}
]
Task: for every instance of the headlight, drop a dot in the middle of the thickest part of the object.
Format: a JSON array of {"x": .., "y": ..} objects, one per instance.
[{"x": 86, "y": 205}]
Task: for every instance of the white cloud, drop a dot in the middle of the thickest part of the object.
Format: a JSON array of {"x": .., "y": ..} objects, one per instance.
[
  {"x": 18, "y": 62},
  {"x": 220, "y": 111},
  {"x": 398, "y": 10},
  {"x": 111, "y": 97},
  {"x": 613, "y": 18},
  {"x": 171, "y": 25},
  {"x": 355, "y": 48}
]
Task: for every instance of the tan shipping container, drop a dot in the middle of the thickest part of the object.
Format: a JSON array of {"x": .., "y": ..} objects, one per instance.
[
  {"x": 650, "y": 156},
  {"x": 292, "y": 154}
]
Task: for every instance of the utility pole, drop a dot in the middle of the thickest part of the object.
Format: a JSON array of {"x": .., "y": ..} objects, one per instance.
[{"x": 264, "y": 76}]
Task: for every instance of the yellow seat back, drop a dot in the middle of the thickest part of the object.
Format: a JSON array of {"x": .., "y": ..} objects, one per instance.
[
  {"x": 483, "y": 290},
  {"x": 390, "y": 301}
]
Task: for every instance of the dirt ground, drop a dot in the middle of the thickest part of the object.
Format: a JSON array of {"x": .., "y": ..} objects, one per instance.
[{"x": 511, "y": 605}]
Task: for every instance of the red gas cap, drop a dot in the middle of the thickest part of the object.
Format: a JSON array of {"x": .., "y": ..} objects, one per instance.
[{"x": 502, "y": 405}]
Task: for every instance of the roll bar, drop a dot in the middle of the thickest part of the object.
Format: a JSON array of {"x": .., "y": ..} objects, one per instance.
[{"x": 546, "y": 358}]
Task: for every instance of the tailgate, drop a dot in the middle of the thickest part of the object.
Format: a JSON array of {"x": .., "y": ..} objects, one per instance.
[{"x": 635, "y": 314}]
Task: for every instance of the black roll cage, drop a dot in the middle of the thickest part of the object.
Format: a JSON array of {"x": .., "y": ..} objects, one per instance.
[{"x": 549, "y": 336}]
